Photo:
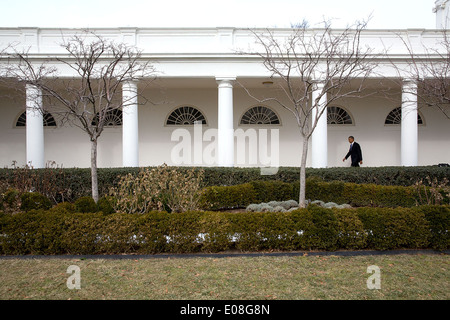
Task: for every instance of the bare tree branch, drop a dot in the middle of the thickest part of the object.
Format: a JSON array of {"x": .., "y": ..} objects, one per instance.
[
  {"x": 86, "y": 97},
  {"x": 429, "y": 67},
  {"x": 304, "y": 58}
]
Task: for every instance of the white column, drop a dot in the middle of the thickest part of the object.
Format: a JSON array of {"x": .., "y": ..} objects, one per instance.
[
  {"x": 442, "y": 10},
  {"x": 34, "y": 128},
  {"x": 225, "y": 132},
  {"x": 319, "y": 138},
  {"x": 130, "y": 129},
  {"x": 409, "y": 128}
]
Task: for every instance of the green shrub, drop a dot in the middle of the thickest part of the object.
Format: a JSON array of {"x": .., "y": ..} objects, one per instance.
[
  {"x": 34, "y": 201},
  {"x": 64, "y": 207},
  {"x": 248, "y": 227},
  {"x": 227, "y": 197},
  {"x": 379, "y": 196},
  {"x": 118, "y": 234},
  {"x": 58, "y": 231},
  {"x": 272, "y": 190},
  {"x": 33, "y": 232},
  {"x": 351, "y": 230},
  {"x": 322, "y": 231},
  {"x": 277, "y": 230},
  {"x": 105, "y": 205},
  {"x": 389, "y": 228},
  {"x": 217, "y": 231},
  {"x": 84, "y": 233},
  {"x": 183, "y": 230},
  {"x": 438, "y": 218},
  {"x": 85, "y": 205},
  {"x": 69, "y": 184},
  {"x": 152, "y": 230},
  {"x": 358, "y": 195},
  {"x": 317, "y": 189}
]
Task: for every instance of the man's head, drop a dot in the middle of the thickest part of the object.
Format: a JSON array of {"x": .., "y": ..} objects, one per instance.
[{"x": 351, "y": 139}]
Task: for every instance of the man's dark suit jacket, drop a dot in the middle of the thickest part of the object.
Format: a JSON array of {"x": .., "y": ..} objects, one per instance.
[{"x": 355, "y": 153}]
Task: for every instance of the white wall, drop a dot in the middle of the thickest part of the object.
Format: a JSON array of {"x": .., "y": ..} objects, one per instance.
[{"x": 69, "y": 146}]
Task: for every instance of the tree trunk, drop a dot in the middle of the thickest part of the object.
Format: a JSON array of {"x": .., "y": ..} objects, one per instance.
[
  {"x": 94, "y": 177},
  {"x": 302, "y": 195}
]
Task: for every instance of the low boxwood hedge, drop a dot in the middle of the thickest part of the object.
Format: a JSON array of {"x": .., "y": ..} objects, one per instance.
[
  {"x": 359, "y": 195},
  {"x": 61, "y": 231},
  {"x": 69, "y": 184}
]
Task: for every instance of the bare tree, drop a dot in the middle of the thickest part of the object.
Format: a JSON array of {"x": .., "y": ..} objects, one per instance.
[
  {"x": 95, "y": 70},
  {"x": 312, "y": 69}
]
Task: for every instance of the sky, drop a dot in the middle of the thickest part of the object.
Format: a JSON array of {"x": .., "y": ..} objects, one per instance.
[{"x": 385, "y": 14}]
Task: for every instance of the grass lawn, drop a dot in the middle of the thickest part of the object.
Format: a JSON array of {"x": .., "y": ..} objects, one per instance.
[{"x": 405, "y": 276}]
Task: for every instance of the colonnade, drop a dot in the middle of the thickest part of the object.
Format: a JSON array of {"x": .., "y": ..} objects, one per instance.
[{"x": 225, "y": 146}]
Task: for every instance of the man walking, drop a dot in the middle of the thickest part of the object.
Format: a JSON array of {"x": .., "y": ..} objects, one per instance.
[{"x": 354, "y": 152}]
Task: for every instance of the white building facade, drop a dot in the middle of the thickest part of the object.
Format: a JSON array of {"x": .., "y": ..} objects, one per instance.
[{"x": 201, "y": 76}]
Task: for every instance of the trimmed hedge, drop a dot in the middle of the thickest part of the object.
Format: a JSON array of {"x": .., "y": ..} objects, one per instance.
[
  {"x": 62, "y": 231},
  {"x": 221, "y": 197},
  {"x": 60, "y": 184},
  {"x": 240, "y": 196},
  {"x": 362, "y": 195},
  {"x": 359, "y": 195}
]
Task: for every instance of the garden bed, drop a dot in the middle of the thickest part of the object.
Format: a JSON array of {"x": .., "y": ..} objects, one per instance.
[{"x": 58, "y": 231}]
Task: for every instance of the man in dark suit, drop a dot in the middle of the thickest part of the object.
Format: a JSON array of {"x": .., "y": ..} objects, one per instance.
[{"x": 354, "y": 152}]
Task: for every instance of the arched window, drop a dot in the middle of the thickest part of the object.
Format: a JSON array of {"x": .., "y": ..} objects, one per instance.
[
  {"x": 260, "y": 115},
  {"x": 113, "y": 118},
  {"x": 395, "y": 117},
  {"x": 49, "y": 121},
  {"x": 185, "y": 116},
  {"x": 338, "y": 116}
]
